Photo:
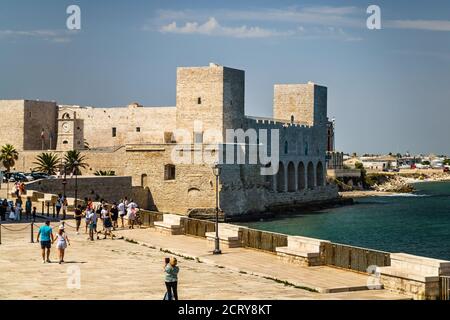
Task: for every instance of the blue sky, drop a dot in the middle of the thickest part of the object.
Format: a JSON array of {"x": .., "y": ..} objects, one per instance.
[{"x": 388, "y": 89}]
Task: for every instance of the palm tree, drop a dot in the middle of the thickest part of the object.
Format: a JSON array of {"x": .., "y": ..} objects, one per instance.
[
  {"x": 47, "y": 162},
  {"x": 104, "y": 173},
  {"x": 8, "y": 156},
  {"x": 75, "y": 156}
]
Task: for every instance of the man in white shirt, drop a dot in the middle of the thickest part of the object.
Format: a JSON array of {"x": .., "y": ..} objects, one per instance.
[
  {"x": 92, "y": 224},
  {"x": 122, "y": 211}
]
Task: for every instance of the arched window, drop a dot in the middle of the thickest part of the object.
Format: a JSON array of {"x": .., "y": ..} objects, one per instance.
[
  {"x": 292, "y": 119},
  {"x": 310, "y": 175},
  {"x": 306, "y": 148},
  {"x": 66, "y": 116},
  {"x": 286, "y": 147}
]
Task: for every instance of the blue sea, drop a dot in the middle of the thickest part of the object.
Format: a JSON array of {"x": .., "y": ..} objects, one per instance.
[{"x": 417, "y": 223}]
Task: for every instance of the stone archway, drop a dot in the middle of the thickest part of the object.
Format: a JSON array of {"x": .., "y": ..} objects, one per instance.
[
  {"x": 301, "y": 176},
  {"x": 280, "y": 178},
  {"x": 310, "y": 176},
  {"x": 291, "y": 177},
  {"x": 319, "y": 174}
]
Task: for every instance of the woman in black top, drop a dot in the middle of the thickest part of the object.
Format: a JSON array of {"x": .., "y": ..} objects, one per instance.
[
  {"x": 114, "y": 215},
  {"x": 3, "y": 208},
  {"x": 78, "y": 216}
]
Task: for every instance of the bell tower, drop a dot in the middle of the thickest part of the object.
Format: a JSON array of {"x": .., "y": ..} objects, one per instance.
[{"x": 70, "y": 131}]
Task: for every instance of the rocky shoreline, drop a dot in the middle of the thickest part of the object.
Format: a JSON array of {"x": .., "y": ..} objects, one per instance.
[{"x": 384, "y": 184}]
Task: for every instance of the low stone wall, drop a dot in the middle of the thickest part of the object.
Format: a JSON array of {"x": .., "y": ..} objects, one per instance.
[
  {"x": 108, "y": 188},
  {"x": 353, "y": 258},
  {"x": 262, "y": 240}
]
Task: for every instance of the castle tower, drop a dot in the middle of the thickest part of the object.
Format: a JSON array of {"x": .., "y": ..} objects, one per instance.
[
  {"x": 304, "y": 103},
  {"x": 70, "y": 131},
  {"x": 213, "y": 95}
]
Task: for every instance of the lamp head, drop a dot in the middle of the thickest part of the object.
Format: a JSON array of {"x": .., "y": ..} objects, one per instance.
[{"x": 216, "y": 169}]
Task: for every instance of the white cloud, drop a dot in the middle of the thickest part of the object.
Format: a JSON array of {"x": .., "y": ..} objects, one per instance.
[
  {"x": 262, "y": 22},
  {"x": 318, "y": 15},
  {"x": 56, "y": 36},
  {"x": 213, "y": 27},
  {"x": 429, "y": 25}
]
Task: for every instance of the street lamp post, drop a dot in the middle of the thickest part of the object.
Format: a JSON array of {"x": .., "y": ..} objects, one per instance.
[
  {"x": 216, "y": 170},
  {"x": 75, "y": 165},
  {"x": 64, "y": 182}
]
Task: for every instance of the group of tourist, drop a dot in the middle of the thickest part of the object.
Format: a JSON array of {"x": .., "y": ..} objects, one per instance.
[
  {"x": 108, "y": 215},
  {"x": 109, "y": 218},
  {"x": 16, "y": 210}
]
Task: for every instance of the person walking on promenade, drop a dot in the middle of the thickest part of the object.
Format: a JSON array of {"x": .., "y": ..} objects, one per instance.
[
  {"x": 114, "y": 216},
  {"x": 92, "y": 224},
  {"x": 34, "y": 214},
  {"x": 22, "y": 188},
  {"x": 3, "y": 209},
  {"x": 107, "y": 223},
  {"x": 17, "y": 189},
  {"x": 171, "y": 278},
  {"x": 18, "y": 209},
  {"x": 45, "y": 235},
  {"x": 28, "y": 207},
  {"x": 86, "y": 219},
  {"x": 122, "y": 211},
  {"x": 58, "y": 205},
  {"x": 131, "y": 211},
  {"x": 98, "y": 211},
  {"x": 63, "y": 241},
  {"x": 65, "y": 204},
  {"x": 78, "y": 214}
]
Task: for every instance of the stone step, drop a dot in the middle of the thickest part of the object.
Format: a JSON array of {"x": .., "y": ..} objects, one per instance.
[{"x": 420, "y": 265}]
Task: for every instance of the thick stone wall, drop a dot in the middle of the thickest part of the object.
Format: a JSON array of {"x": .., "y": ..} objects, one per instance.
[
  {"x": 133, "y": 124},
  {"x": 306, "y": 103},
  {"x": 40, "y": 115},
  {"x": 108, "y": 188},
  {"x": 212, "y": 95},
  {"x": 13, "y": 123}
]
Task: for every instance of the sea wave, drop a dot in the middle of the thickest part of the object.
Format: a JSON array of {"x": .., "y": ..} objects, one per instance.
[{"x": 407, "y": 195}]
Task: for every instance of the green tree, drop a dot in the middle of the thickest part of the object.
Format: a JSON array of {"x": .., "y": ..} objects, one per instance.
[
  {"x": 447, "y": 162},
  {"x": 426, "y": 163},
  {"x": 8, "y": 156},
  {"x": 75, "y": 156},
  {"x": 105, "y": 173},
  {"x": 46, "y": 162},
  {"x": 359, "y": 165}
]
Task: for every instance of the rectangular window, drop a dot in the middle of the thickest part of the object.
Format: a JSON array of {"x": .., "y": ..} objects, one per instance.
[
  {"x": 169, "y": 172},
  {"x": 199, "y": 100},
  {"x": 138, "y": 129},
  {"x": 168, "y": 137},
  {"x": 114, "y": 132},
  {"x": 198, "y": 137}
]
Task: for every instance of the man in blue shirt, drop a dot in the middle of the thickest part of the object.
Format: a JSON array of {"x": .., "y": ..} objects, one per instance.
[{"x": 45, "y": 234}]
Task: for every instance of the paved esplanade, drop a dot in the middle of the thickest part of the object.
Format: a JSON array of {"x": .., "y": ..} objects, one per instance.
[{"x": 122, "y": 269}]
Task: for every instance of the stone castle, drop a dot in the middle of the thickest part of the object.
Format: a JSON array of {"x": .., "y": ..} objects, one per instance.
[{"x": 139, "y": 142}]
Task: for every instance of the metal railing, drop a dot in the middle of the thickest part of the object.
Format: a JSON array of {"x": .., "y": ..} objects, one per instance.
[{"x": 23, "y": 227}]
